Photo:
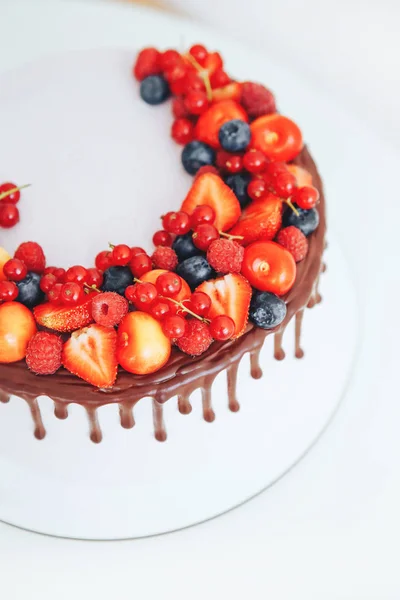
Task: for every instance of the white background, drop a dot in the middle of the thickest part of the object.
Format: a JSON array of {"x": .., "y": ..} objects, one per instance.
[{"x": 331, "y": 529}]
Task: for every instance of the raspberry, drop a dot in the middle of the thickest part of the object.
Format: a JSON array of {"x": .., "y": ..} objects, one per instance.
[
  {"x": 32, "y": 255},
  {"x": 43, "y": 355},
  {"x": 164, "y": 258},
  {"x": 197, "y": 338},
  {"x": 257, "y": 100},
  {"x": 207, "y": 169},
  {"x": 293, "y": 240},
  {"x": 225, "y": 256},
  {"x": 109, "y": 308},
  {"x": 147, "y": 63}
]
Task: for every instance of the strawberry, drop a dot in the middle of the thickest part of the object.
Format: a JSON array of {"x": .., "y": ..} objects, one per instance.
[
  {"x": 261, "y": 220},
  {"x": 210, "y": 122},
  {"x": 209, "y": 189},
  {"x": 91, "y": 354},
  {"x": 230, "y": 295},
  {"x": 231, "y": 91},
  {"x": 64, "y": 318}
]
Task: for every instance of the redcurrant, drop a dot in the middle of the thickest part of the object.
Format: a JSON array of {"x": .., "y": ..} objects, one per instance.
[
  {"x": 160, "y": 309},
  {"x": 121, "y": 255},
  {"x": 94, "y": 277},
  {"x": 140, "y": 264},
  {"x": 136, "y": 251},
  {"x": 145, "y": 294},
  {"x": 54, "y": 295},
  {"x": 168, "y": 284},
  {"x": 71, "y": 293},
  {"x": 222, "y": 328},
  {"x": 8, "y": 291},
  {"x": 179, "y": 109},
  {"x": 219, "y": 79},
  {"x": 15, "y": 270},
  {"x": 306, "y": 197},
  {"x": 169, "y": 58},
  {"x": 202, "y": 214},
  {"x": 103, "y": 260},
  {"x": 284, "y": 184},
  {"x": 196, "y": 102},
  {"x": 174, "y": 327},
  {"x": 76, "y": 274},
  {"x": 199, "y": 53},
  {"x": 203, "y": 235},
  {"x": 256, "y": 189},
  {"x": 47, "y": 282},
  {"x": 9, "y": 215},
  {"x": 182, "y": 131},
  {"x": 176, "y": 222},
  {"x": 200, "y": 303},
  {"x": 12, "y": 197},
  {"x": 162, "y": 238},
  {"x": 130, "y": 293},
  {"x": 255, "y": 161}
]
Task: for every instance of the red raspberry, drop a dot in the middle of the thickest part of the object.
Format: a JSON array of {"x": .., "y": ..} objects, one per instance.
[
  {"x": 257, "y": 100},
  {"x": 43, "y": 355},
  {"x": 295, "y": 241},
  {"x": 109, "y": 308},
  {"x": 225, "y": 256},
  {"x": 197, "y": 338},
  {"x": 206, "y": 169},
  {"x": 32, "y": 255},
  {"x": 147, "y": 63},
  {"x": 164, "y": 258}
]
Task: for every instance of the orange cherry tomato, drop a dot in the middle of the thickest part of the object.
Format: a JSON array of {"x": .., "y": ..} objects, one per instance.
[
  {"x": 4, "y": 257},
  {"x": 303, "y": 177},
  {"x": 278, "y": 137},
  {"x": 269, "y": 267},
  {"x": 210, "y": 122}
]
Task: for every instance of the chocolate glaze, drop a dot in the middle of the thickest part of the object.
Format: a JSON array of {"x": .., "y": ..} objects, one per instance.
[{"x": 182, "y": 374}]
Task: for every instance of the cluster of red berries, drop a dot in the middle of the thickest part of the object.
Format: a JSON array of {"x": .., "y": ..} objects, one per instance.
[{"x": 10, "y": 195}]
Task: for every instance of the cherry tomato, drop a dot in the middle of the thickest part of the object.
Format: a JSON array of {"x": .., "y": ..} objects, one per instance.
[
  {"x": 269, "y": 267},
  {"x": 278, "y": 137}
]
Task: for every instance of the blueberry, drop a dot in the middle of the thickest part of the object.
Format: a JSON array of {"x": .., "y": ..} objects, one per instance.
[
  {"x": 195, "y": 155},
  {"x": 234, "y": 136},
  {"x": 184, "y": 247},
  {"x": 195, "y": 270},
  {"x": 29, "y": 292},
  {"x": 154, "y": 89},
  {"x": 238, "y": 183},
  {"x": 117, "y": 279},
  {"x": 266, "y": 310},
  {"x": 307, "y": 221}
]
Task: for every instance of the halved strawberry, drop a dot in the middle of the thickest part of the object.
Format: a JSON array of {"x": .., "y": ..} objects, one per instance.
[
  {"x": 230, "y": 295},
  {"x": 261, "y": 220},
  {"x": 64, "y": 318},
  {"x": 211, "y": 190},
  {"x": 303, "y": 177},
  {"x": 91, "y": 354},
  {"x": 210, "y": 122},
  {"x": 231, "y": 91}
]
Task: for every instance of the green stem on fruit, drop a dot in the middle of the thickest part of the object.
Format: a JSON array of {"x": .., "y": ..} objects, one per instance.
[
  {"x": 91, "y": 288},
  {"x": 13, "y": 190},
  {"x": 180, "y": 304},
  {"x": 112, "y": 246},
  {"x": 292, "y": 206},
  {"x": 230, "y": 237},
  {"x": 203, "y": 74}
]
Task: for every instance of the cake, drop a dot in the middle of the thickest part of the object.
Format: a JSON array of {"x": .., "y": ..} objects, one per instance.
[{"x": 256, "y": 181}]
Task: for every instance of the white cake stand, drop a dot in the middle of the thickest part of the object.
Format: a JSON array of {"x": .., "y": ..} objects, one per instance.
[{"x": 103, "y": 168}]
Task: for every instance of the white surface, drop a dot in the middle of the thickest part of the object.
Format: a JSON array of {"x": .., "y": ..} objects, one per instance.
[{"x": 330, "y": 529}]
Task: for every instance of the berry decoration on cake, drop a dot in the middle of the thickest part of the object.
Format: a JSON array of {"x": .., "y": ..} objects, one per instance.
[{"x": 223, "y": 265}]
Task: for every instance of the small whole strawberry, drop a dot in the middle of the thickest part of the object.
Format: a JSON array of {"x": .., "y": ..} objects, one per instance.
[
  {"x": 43, "y": 355},
  {"x": 197, "y": 338},
  {"x": 164, "y": 257},
  {"x": 293, "y": 240},
  {"x": 257, "y": 100},
  {"x": 32, "y": 255},
  {"x": 225, "y": 256}
]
